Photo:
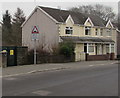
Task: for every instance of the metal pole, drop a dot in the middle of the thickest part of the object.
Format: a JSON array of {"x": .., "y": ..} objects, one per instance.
[
  {"x": 35, "y": 55},
  {"x": 35, "y": 58}
]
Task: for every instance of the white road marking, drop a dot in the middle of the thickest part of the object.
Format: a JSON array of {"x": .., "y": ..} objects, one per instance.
[
  {"x": 41, "y": 92},
  {"x": 32, "y": 71},
  {"x": 55, "y": 64},
  {"x": 91, "y": 65},
  {"x": 101, "y": 64},
  {"x": 11, "y": 78}
]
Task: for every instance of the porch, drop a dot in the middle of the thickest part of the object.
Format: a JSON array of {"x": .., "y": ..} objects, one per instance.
[{"x": 96, "y": 48}]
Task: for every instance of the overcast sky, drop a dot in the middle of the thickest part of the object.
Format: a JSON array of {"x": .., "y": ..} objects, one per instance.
[{"x": 28, "y": 6}]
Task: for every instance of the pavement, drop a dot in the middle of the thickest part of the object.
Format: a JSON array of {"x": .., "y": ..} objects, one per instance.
[{"x": 28, "y": 69}]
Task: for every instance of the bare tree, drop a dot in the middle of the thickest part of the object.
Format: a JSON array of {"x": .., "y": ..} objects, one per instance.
[{"x": 104, "y": 12}]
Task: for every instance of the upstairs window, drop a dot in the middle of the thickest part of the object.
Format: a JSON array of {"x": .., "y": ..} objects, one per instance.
[
  {"x": 69, "y": 30},
  {"x": 96, "y": 32},
  {"x": 109, "y": 32},
  {"x": 87, "y": 30},
  {"x": 101, "y": 32}
]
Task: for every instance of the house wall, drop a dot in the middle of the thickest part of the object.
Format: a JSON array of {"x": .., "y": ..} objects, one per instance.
[
  {"x": 79, "y": 52},
  {"x": 79, "y": 31},
  {"x": 48, "y": 36},
  {"x": 114, "y": 38},
  {"x": 88, "y": 24}
]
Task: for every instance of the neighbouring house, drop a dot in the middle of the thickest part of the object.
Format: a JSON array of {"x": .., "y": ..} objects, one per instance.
[
  {"x": 0, "y": 35},
  {"x": 90, "y": 34},
  {"x": 118, "y": 44},
  {"x": 118, "y": 37}
]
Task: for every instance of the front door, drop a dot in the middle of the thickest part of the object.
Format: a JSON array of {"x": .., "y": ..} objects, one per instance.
[{"x": 96, "y": 49}]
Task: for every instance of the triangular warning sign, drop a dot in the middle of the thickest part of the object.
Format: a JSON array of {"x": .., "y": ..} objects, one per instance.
[{"x": 35, "y": 30}]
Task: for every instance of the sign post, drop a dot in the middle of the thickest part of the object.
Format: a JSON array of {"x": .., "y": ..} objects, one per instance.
[
  {"x": 35, "y": 34},
  {"x": 35, "y": 54}
]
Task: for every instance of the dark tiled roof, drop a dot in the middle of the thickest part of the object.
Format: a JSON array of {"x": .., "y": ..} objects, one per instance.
[
  {"x": 115, "y": 25},
  {"x": 78, "y": 18},
  {"x": 86, "y": 39}
]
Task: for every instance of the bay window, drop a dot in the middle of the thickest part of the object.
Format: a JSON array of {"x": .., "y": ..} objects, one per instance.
[
  {"x": 112, "y": 48},
  {"x": 107, "y": 48},
  {"x": 90, "y": 47}
]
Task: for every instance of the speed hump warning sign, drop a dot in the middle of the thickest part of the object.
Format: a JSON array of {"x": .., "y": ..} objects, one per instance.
[
  {"x": 35, "y": 33},
  {"x": 35, "y": 30}
]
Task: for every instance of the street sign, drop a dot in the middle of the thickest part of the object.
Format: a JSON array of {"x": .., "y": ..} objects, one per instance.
[
  {"x": 35, "y": 36},
  {"x": 35, "y": 33},
  {"x": 35, "y": 30}
]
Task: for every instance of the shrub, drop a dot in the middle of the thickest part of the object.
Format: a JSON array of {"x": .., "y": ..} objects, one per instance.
[{"x": 67, "y": 48}]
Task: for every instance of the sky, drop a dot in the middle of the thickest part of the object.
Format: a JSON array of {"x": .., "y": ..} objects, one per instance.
[{"x": 28, "y": 5}]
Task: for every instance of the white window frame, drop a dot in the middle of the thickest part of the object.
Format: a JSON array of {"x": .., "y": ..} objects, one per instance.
[
  {"x": 97, "y": 32},
  {"x": 70, "y": 29},
  {"x": 113, "y": 46},
  {"x": 101, "y": 32},
  {"x": 109, "y": 49},
  {"x": 89, "y": 30},
  {"x": 89, "y": 45}
]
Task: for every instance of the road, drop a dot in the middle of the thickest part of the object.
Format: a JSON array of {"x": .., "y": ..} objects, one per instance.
[{"x": 91, "y": 80}]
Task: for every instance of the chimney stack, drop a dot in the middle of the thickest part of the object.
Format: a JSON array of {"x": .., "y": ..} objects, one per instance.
[{"x": 59, "y": 7}]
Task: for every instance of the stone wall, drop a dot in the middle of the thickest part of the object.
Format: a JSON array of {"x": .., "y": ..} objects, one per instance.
[
  {"x": 22, "y": 55},
  {"x": 55, "y": 59},
  {"x": 49, "y": 58}
]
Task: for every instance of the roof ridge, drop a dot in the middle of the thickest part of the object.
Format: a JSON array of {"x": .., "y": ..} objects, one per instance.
[
  {"x": 53, "y": 8},
  {"x": 61, "y": 9}
]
